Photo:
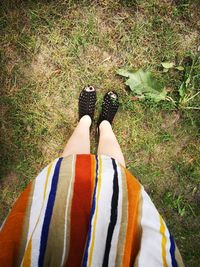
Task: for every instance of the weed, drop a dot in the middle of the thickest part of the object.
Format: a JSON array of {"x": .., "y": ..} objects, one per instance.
[{"x": 178, "y": 203}]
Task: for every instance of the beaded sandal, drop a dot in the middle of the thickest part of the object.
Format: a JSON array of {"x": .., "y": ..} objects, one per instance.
[
  {"x": 87, "y": 101},
  {"x": 110, "y": 106}
]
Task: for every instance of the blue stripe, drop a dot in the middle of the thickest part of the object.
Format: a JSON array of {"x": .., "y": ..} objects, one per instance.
[
  {"x": 48, "y": 213},
  {"x": 172, "y": 252},
  {"x": 85, "y": 256}
]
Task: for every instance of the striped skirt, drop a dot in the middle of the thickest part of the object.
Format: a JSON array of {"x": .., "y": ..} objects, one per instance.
[{"x": 86, "y": 210}]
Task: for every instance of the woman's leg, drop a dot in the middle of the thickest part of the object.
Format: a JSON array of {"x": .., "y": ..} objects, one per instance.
[
  {"x": 79, "y": 142},
  {"x": 108, "y": 144}
]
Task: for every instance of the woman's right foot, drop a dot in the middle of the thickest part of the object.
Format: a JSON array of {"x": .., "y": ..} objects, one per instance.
[
  {"x": 110, "y": 106},
  {"x": 87, "y": 102}
]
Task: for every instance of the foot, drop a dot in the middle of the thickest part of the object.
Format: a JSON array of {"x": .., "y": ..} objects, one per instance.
[
  {"x": 110, "y": 106},
  {"x": 87, "y": 101}
]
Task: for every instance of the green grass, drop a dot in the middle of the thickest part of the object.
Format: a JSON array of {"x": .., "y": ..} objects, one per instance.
[{"x": 51, "y": 49}]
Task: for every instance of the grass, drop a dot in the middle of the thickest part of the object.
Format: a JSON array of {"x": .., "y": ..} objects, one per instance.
[{"x": 51, "y": 49}]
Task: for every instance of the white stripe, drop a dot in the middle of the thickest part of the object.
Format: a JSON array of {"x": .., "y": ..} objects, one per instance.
[
  {"x": 150, "y": 253},
  {"x": 104, "y": 211},
  {"x": 36, "y": 204},
  {"x": 114, "y": 242},
  {"x": 38, "y": 199},
  {"x": 67, "y": 207}
]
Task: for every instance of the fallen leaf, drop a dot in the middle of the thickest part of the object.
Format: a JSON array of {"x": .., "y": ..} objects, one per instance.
[
  {"x": 167, "y": 65},
  {"x": 144, "y": 85},
  {"x": 180, "y": 68}
]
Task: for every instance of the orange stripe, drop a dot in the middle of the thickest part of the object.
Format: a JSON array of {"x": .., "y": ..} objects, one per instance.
[
  {"x": 80, "y": 210},
  {"x": 133, "y": 230},
  {"x": 27, "y": 257},
  {"x": 11, "y": 233}
]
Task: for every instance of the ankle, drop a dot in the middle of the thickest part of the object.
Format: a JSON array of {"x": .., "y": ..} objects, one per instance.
[
  {"x": 86, "y": 119},
  {"x": 105, "y": 123}
]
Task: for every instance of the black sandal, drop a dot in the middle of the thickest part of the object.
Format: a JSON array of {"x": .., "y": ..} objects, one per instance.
[
  {"x": 87, "y": 102},
  {"x": 110, "y": 106}
]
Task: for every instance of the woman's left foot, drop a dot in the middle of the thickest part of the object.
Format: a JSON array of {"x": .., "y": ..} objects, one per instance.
[
  {"x": 87, "y": 102},
  {"x": 110, "y": 106}
]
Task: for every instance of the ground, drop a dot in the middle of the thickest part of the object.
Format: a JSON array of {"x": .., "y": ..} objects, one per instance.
[{"x": 51, "y": 49}]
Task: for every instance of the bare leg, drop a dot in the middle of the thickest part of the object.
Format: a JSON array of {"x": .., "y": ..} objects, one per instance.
[
  {"x": 108, "y": 144},
  {"x": 79, "y": 142}
]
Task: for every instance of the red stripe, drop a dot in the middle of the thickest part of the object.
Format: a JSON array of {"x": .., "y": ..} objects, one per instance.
[
  {"x": 11, "y": 233},
  {"x": 80, "y": 210}
]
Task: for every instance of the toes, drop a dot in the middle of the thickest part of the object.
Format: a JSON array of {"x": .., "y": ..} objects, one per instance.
[{"x": 89, "y": 88}]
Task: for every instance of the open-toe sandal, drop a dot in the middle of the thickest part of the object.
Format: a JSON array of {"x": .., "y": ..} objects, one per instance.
[
  {"x": 87, "y": 102},
  {"x": 110, "y": 106}
]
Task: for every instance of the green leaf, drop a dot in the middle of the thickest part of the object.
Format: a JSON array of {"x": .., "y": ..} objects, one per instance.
[
  {"x": 144, "y": 85},
  {"x": 181, "y": 68},
  {"x": 165, "y": 70},
  {"x": 167, "y": 65},
  {"x": 181, "y": 90},
  {"x": 124, "y": 72}
]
